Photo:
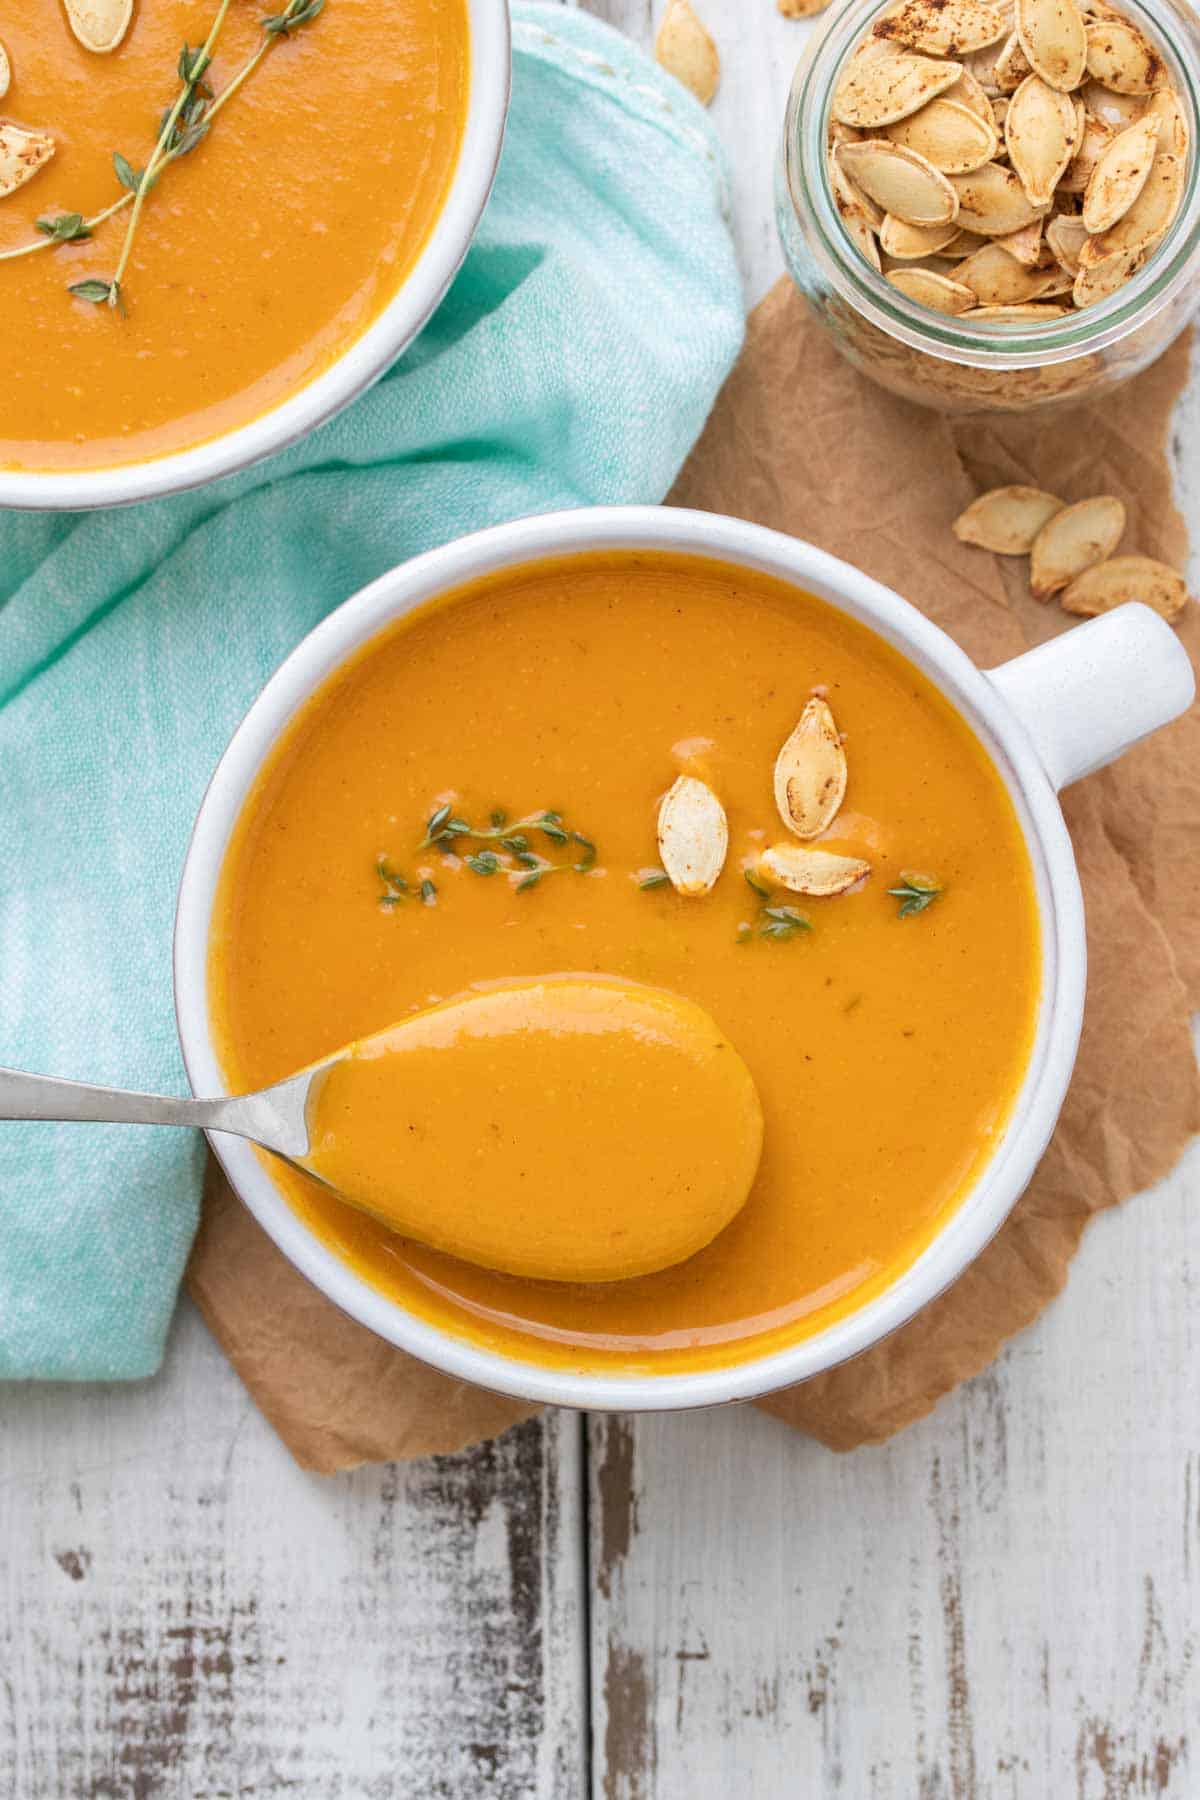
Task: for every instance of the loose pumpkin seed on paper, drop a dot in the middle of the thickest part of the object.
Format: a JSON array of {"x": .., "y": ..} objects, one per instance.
[
  {"x": 1006, "y": 519},
  {"x": 801, "y": 9},
  {"x": 1072, "y": 541},
  {"x": 5, "y": 71},
  {"x": 685, "y": 49},
  {"x": 1122, "y": 578}
]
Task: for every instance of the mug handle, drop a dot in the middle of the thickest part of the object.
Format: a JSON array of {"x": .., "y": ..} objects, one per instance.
[{"x": 1090, "y": 694}]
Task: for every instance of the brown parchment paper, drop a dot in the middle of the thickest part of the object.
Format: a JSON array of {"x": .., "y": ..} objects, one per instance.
[{"x": 799, "y": 441}]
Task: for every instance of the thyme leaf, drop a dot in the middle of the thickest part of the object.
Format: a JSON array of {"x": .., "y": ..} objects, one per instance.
[
  {"x": 64, "y": 228},
  {"x": 915, "y": 893}
]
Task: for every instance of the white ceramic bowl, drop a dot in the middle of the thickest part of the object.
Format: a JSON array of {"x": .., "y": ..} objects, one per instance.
[
  {"x": 1046, "y": 718},
  {"x": 364, "y": 360}
]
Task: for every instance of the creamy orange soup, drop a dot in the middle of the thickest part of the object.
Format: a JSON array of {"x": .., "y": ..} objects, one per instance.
[
  {"x": 258, "y": 256},
  {"x": 887, "y": 1050}
]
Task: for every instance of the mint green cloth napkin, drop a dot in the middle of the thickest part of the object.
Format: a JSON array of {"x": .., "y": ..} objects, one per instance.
[{"x": 573, "y": 362}]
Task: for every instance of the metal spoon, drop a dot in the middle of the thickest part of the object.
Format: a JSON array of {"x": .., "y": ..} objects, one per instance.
[{"x": 275, "y": 1117}]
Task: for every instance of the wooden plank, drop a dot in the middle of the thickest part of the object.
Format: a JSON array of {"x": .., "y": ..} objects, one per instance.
[
  {"x": 1001, "y": 1604},
  {"x": 185, "y": 1613}
]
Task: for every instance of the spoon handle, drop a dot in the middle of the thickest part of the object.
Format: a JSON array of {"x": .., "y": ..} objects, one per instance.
[{"x": 258, "y": 1116}]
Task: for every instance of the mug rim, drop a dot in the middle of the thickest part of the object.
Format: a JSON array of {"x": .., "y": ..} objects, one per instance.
[
  {"x": 998, "y": 1185},
  {"x": 363, "y": 360}
]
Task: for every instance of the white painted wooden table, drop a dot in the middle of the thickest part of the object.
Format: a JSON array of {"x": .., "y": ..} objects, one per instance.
[{"x": 1000, "y": 1605}]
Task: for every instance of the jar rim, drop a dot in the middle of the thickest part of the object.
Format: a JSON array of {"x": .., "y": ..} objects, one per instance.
[{"x": 991, "y": 343}]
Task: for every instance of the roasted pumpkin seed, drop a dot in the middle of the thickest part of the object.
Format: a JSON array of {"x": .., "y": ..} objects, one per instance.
[
  {"x": 954, "y": 138},
  {"x": 1014, "y": 313},
  {"x": 876, "y": 90},
  {"x": 1123, "y": 578},
  {"x": 22, "y": 154},
  {"x": 810, "y": 772},
  {"x": 693, "y": 836},
  {"x": 685, "y": 49},
  {"x": 1040, "y": 136},
  {"x": 859, "y": 215},
  {"x": 1025, "y": 245},
  {"x": 1011, "y": 66},
  {"x": 992, "y": 201},
  {"x": 1117, "y": 110},
  {"x": 821, "y": 874},
  {"x": 938, "y": 292},
  {"x": 1066, "y": 237},
  {"x": 5, "y": 71},
  {"x": 1097, "y": 136},
  {"x": 1121, "y": 58},
  {"x": 1072, "y": 541},
  {"x": 1006, "y": 519},
  {"x": 908, "y": 243},
  {"x": 1137, "y": 232},
  {"x": 942, "y": 27},
  {"x": 1165, "y": 110},
  {"x": 1098, "y": 280},
  {"x": 1053, "y": 37},
  {"x": 1120, "y": 175},
  {"x": 998, "y": 279},
  {"x": 99, "y": 25},
  {"x": 969, "y": 92},
  {"x": 900, "y": 181}
]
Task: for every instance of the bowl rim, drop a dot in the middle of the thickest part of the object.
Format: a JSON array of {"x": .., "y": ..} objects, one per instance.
[
  {"x": 363, "y": 360},
  {"x": 1060, "y": 908}
]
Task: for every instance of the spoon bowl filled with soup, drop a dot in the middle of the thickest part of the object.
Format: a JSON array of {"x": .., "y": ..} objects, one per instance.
[
  {"x": 219, "y": 222},
  {"x": 681, "y": 753}
]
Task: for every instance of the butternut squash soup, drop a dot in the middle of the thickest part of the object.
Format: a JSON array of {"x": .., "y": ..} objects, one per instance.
[
  {"x": 497, "y": 1089},
  {"x": 203, "y": 203},
  {"x": 672, "y": 772}
]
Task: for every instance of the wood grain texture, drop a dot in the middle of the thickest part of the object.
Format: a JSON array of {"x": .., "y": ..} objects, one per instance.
[{"x": 185, "y": 1613}]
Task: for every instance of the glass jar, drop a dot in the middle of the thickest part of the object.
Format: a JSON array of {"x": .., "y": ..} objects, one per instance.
[{"x": 969, "y": 365}]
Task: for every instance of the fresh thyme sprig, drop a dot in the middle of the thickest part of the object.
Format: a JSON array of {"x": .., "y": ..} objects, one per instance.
[
  {"x": 184, "y": 125},
  {"x": 514, "y": 854},
  {"x": 172, "y": 141},
  {"x": 915, "y": 893},
  {"x": 776, "y": 920}
]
